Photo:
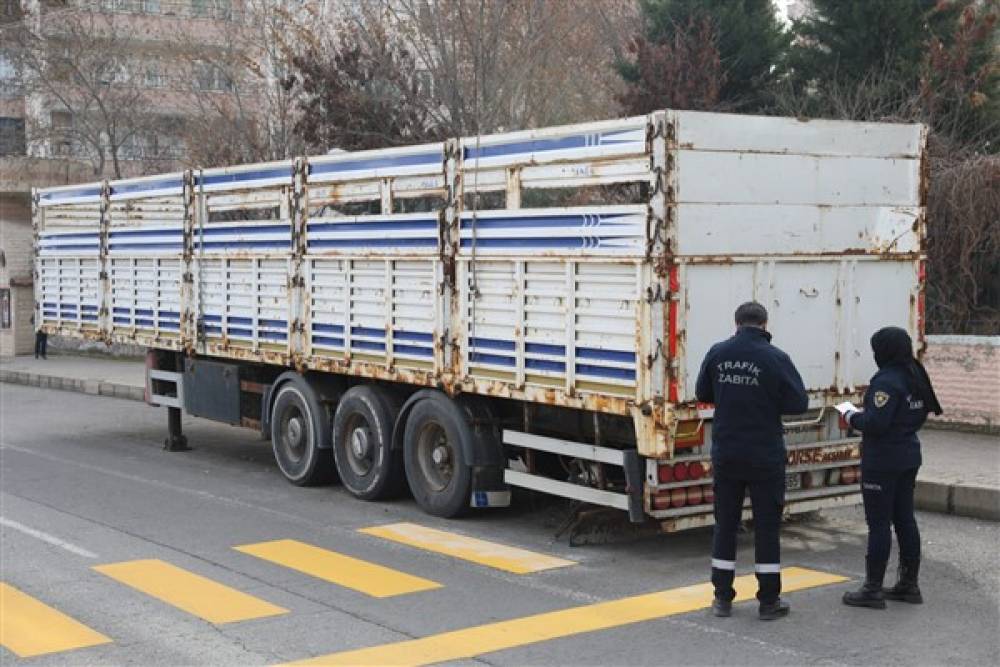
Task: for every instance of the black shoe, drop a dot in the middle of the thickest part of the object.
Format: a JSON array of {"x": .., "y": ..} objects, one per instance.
[
  {"x": 870, "y": 593},
  {"x": 770, "y": 611},
  {"x": 722, "y": 608},
  {"x": 906, "y": 588}
]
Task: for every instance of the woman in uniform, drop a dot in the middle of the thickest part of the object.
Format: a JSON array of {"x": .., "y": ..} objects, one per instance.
[{"x": 896, "y": 404}]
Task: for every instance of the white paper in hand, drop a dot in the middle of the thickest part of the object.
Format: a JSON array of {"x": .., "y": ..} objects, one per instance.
[{"x": 845, "y": 407}]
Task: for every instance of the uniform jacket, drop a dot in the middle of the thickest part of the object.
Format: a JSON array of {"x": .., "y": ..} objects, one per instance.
[
  {"x": 752, "y": 383},
  {"x": 889, "y": 423}
]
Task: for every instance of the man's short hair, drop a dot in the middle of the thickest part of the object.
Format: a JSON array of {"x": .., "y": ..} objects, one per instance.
[{"x": 751, "y": 313}]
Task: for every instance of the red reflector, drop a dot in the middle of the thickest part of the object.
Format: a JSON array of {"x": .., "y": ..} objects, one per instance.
[
  {"x": 665, "y": 473},
  {"x": 678, "y": 497},
  {"x": 680, "y": 472},
  {"x": 708, "y": 493},
  {"x": 696, "y": 470}
]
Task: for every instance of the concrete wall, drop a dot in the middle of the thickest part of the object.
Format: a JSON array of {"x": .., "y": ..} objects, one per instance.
[{"x": 965, "y": 371}]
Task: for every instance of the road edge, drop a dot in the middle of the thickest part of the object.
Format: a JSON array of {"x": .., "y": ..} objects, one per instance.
[{"x": 80, "y": 386}]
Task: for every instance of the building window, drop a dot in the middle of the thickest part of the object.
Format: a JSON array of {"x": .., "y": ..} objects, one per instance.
[
  {"x": 208, "y": 76},
  {"x": 216, "y": 9},
  {"x": 5, "y": 308},
  {"x": 12, "y": 136}
]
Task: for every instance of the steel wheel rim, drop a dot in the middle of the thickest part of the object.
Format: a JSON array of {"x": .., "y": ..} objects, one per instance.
[
  {"x": 359, "y": 447},
  {"x": 294, "y": 433},
  {"x": 435, "y": 457}
]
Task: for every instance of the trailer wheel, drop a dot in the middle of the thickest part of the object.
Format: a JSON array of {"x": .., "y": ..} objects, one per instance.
[
  {"x": 362, "y": 444},
  {"x": 298, "y": 425},
  {"x": 435, "y": 461}
]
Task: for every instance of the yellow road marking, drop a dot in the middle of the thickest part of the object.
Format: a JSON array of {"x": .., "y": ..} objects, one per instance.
[
  {"x": 491, "y": 554},
  {"x": 29, "y": 627},
  {"x": 190, "y": 592},
  {"x": 471, "y": 642},
  {"x": 359, "y": 575}
]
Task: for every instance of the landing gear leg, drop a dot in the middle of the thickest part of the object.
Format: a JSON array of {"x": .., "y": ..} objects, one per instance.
[{"x": 176, "y": 440}]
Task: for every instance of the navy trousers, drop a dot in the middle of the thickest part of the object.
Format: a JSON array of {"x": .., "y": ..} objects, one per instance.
[
  {"x": 888, "y": 498},
  {"x": 767, "y": 498}
]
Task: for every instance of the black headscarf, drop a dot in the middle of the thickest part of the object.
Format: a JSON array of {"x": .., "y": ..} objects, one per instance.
[{"x": 892, "y": 346}]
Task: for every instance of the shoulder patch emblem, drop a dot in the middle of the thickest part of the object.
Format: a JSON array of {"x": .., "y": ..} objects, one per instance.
[{"x": 880, "y": 399}]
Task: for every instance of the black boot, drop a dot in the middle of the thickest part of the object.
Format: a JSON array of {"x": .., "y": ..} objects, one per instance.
[
  {"x": 870, "y": 593},
  {"x": 771, "y": 611},
  {"x": 906, "y": 588},
  {"x": 722, "y": 608}
]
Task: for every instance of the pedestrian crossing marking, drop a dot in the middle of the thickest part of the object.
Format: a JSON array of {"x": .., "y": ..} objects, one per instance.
[
  {"x": 29, "y": 627},
  {"x": 190, "y": 592},
  {"x": 468, "y": 643},
  {"x": 353, "y": 573},
  {"x": 491, "y": 554}
]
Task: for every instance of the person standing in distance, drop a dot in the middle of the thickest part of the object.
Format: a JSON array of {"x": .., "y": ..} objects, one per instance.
[
  {"x": 896, "y": 404},
  {"x": 752, "y": 383}
]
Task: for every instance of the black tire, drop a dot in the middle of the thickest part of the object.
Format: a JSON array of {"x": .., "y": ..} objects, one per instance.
[
  {"x": 362, "y": 444},
  {"x": 299, "y": 424},
  {"x": 439, "y": 477}
]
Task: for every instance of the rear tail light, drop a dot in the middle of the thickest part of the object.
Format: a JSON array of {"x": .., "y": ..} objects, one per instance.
[
  {"x": 696, "y": 470},
  {"x": 665, "y": 473},
  {"x": 680, "y": 472},
  {"x": 708, "y": 493},
  {"x": 678, "y": 497}
]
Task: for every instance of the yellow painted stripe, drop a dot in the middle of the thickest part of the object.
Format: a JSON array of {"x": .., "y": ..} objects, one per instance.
[
  {"x": 29, "y": 627},
  {"x": 471, "y": 642},
  {"x": 491, "y": 554},
  {"x": 190, "y": 592},
  {"x": 359, "y": 575}
]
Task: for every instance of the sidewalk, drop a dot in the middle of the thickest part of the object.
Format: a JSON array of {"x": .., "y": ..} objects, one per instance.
[{"x": 960, "y": 475}]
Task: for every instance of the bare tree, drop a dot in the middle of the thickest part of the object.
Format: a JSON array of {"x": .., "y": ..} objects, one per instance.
[
  {"x": 78, "y": 64},
  {"x": 243, "y": 106}
]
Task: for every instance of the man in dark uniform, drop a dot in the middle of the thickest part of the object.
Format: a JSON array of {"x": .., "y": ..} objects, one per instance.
[{"x": 752, "y": 383}]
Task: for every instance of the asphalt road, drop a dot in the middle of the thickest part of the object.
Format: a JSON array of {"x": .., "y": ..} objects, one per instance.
[{"x": 84, "y": 484}]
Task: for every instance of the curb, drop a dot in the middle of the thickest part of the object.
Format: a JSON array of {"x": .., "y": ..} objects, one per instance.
[
  {"x": 978, "y": 502},
  {"x": 92, "y": 387}
]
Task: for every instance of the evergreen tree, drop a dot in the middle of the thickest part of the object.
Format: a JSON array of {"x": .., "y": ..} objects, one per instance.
[{"x": 750, "y": 40}]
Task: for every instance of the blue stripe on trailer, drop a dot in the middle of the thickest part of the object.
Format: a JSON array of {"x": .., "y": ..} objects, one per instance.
[
  {"x": 492, "y": 343},
  {"x": 368, "y": 331},
  {"x": 226, "y": 245},
  {"x": 545, "y": 365},
  {"x": 87, "y": 317},
  {"x": 413, "y": 336},
  {"x": 601, "y": 371},
  {"x": 168, "y": 313},
  {"x": 527, "y": 242},
  {"x": 529, "y": 146},
  {"x": 144, "y": 233},
  {"x": 326, "y": 340},
  {"x": 144, "y": 323},
  {"x": 87, "y": 246},
  {"x": 262, "y": 229},
  {"x": 50, "y": 314},
  {"x": 585, "y": 220},
  {"x": 494, "y": 359},
  {"x": 605, "y": 355},
  {"x": 212, "y": 318},
  {"x": 173, "y": 326},
  {"x": 88, "y": 307},
  {"x": 240, "y": 320},
  {"x": 272, "y": 335},
  {"x": 377, "y": 163},
  {"x": 48, "y": 304},
  {"x": 367, "y": 345},
  {"x": 327, "y": 328},
  {"x": 91, "y": 191},
  {"x": 122, "y": 320},
  {"x": 240, "y": 177},
  {"x": 373, "y": 226},
  {"x": 272, "y": 323},
  {"x": 542, "y": 348},
  {"x": 233, "y": 331},
  {"x": 414, "y": 350},
  {"x": 146, "y": 246},
  {"x": 148, "y": 313},
  {"x": 374, "y": 243},
  {"x": 147, "y": 186},
  {"x": 67, "y": 306},
  {"x": 66, "y": 237},
  {"x": 212, "y": 329}
]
